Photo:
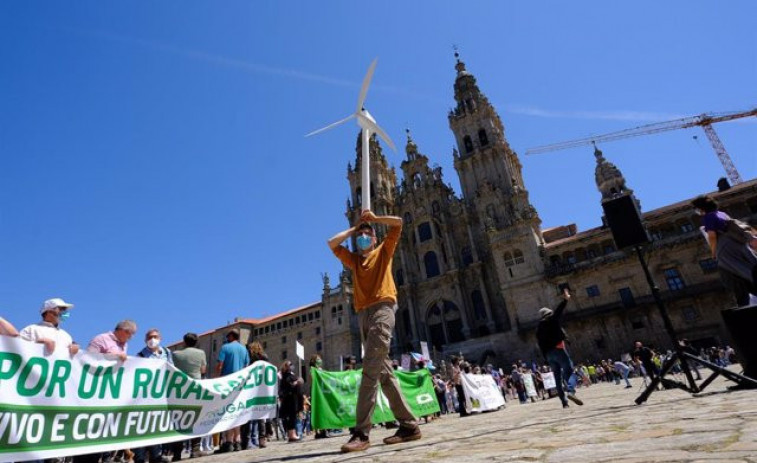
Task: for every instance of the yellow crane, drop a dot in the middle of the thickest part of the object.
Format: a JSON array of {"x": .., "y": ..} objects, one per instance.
[{"x": 704, "y": 121}]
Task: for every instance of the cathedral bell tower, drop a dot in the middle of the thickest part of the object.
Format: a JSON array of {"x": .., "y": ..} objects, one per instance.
[
  {"x": 506, "y": 227},
  {"x": 489, "y": 170}
]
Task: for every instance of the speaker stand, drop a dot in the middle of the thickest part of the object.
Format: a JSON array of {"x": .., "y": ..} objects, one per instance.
[{"x": 684, "y": 357}]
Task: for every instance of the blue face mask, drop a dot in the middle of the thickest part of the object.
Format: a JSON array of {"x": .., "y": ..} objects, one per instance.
[
  {"x": 364, "y": 242},
  {"x": 64, "y": 316}
]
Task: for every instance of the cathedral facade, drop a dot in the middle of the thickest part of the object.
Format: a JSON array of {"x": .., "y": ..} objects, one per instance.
[{"x": 473, "y": 270}]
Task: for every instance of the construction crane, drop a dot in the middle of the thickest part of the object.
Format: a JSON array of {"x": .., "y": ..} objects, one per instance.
[{"x": 703, "y": 120}]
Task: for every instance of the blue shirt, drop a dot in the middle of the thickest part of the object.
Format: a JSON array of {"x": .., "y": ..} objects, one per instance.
[{"x": 234, "y": 357}]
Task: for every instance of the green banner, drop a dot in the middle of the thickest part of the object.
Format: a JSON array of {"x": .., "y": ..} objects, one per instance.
[{"x": 334, "y": 397}]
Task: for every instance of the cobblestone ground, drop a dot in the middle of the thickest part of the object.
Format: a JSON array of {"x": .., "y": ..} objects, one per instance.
[{"x": 672, "y": 426}]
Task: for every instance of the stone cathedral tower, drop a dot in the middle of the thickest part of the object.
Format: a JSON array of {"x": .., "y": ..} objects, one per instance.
[{"x": 505, "y": 225}]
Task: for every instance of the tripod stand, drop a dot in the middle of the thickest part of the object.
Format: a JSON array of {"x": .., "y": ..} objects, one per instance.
[{"x": 680, "y": 355}]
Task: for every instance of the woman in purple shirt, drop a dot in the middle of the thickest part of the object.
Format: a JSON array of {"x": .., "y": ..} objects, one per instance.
[{"x": 737, "y": 262}]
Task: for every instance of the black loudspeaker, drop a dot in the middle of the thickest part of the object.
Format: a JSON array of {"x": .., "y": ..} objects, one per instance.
[
  {"x": 624, "y": 220},
  {"x": 740, "y": 323}
]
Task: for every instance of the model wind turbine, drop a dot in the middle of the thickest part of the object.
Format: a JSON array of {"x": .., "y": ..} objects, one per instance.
[{"x": 367, "y": 125}]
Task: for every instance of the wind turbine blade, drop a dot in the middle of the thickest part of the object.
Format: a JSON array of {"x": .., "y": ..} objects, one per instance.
[
  {"x": 331, "y": 126},
  {"x": 376, "y": 129},
  {"x": 366, "y": 83}
]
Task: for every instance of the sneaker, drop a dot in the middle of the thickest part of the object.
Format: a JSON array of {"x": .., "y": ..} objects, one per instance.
[
  {"x": 565, "y": 404},
  {"x": 574, "y": 399},
  {"x": 629, "y": 386},
  {"x": 358, "y": 442},
  {"x": 237, "y": 446},
  {"x": 404, "y": 434},
  {"x": 224, "y": 448}
]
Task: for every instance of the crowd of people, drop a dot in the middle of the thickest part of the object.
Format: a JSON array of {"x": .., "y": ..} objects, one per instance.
[
  {"x": 375, "y": 300},
  {"x": 292, "y": 423}
]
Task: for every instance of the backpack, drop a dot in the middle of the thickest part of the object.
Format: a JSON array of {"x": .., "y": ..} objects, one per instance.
[{"x": 738, "y": 231}]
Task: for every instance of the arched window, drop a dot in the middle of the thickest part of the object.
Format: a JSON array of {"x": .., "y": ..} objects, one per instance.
[
  {"x": 408, "y": 218},
  {"x": 509, "y": 261},
  {"x": 479, "y": 308},
  {"x": 482, "y": 138},
  {"x": 468, "y": 144},
  {"x": 569, "y": 257},
  {"x": 435, "y": 209},
  {"x": 359, "y": 195},
  {"x": 518, "y": 256},
  {"x": 431, "y": 264},
  {"x": 424, "y": 231},
  {"x": 417, "y": 180},
  {"x": 453, "y": 322},
  {"x": 467, "y": 256},
  {"x": 436, "y": 326},
  {"x": 399, "y": 277},
  {"x": 444, "y": 323},
  {"x": 405, "y": 317}
]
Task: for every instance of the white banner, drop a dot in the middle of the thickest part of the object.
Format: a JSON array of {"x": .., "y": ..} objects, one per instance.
[
  {"x": 57, "y": 405},
  {"x": 528, "y": 381},
  {"x": 481, "y": 393},
  {"x": 549, "y": 380}
]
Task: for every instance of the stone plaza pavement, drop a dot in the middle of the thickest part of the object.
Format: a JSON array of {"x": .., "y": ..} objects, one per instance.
[{"x": 672, "y": 426}]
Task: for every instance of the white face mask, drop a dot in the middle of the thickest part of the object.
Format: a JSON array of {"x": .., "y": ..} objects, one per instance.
[{"x": 153, "y": 343}]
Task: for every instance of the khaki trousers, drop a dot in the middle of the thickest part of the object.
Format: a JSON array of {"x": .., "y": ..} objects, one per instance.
[{"x": 376, "y": 326}]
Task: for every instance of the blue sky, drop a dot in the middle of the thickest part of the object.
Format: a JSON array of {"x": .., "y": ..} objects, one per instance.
[{"x": 153, "y": 164}]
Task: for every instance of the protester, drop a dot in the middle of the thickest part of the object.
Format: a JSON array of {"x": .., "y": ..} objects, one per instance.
[
  {"x": 193, "y": 362},
  {"x": 645, "y": 355},
  {"x": 316, "y": 363},
  {"x": 457, "y": 381},
  {"x": 623, "y": 370},
  {"x": 153, "y": 350},
  {"x": 7, "y": 329},
  {"x": 232, "y": 358},
  {"x": 114, "y": 342},
  {"x": 290, "y": 393},
  {"x": 48, "y": 331},
  {"x": 375, "y": 300},
  {"x": 551, "y": 337},
  {"x": 737, "y": 261},
  {"x": 257, "y": 427}
]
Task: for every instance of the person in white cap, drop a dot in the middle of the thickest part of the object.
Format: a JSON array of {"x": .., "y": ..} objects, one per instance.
[
  {"x": 48, "y": 331},
  {"x": 551, "y": 337}
]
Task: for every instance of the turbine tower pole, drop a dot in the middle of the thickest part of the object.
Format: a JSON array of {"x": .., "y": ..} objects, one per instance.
[{"x": 365, "y": 169}]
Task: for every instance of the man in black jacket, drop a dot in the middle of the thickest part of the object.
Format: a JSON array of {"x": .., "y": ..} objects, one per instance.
[{"x": 551, "y": 337}]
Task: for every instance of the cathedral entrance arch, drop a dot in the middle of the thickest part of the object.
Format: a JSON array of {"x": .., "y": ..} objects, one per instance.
[{"x": 445, "y": 323}]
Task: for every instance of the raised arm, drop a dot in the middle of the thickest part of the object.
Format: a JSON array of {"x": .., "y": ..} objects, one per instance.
[
  {"x": 561, "y": 308},
  {"x": 337, "y": 239},
  {"x": 6, "y": 328},
  {"x": 390, "y": 220}
]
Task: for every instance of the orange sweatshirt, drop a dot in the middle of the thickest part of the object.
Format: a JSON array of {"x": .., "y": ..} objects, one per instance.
[{"x": 373, "y": 272}]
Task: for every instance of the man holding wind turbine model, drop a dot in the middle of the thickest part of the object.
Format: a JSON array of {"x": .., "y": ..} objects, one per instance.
[{"x": 375, "y": 296}]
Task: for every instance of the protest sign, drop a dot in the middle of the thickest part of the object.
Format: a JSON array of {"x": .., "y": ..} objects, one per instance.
[
  {"x": 334, "y": 397},
  {"x": 57, "y": 405},
  {"x": 549, "y": 380},
  {"x": 481, "y": 393},
  {"x": 528, "y": 382}
]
